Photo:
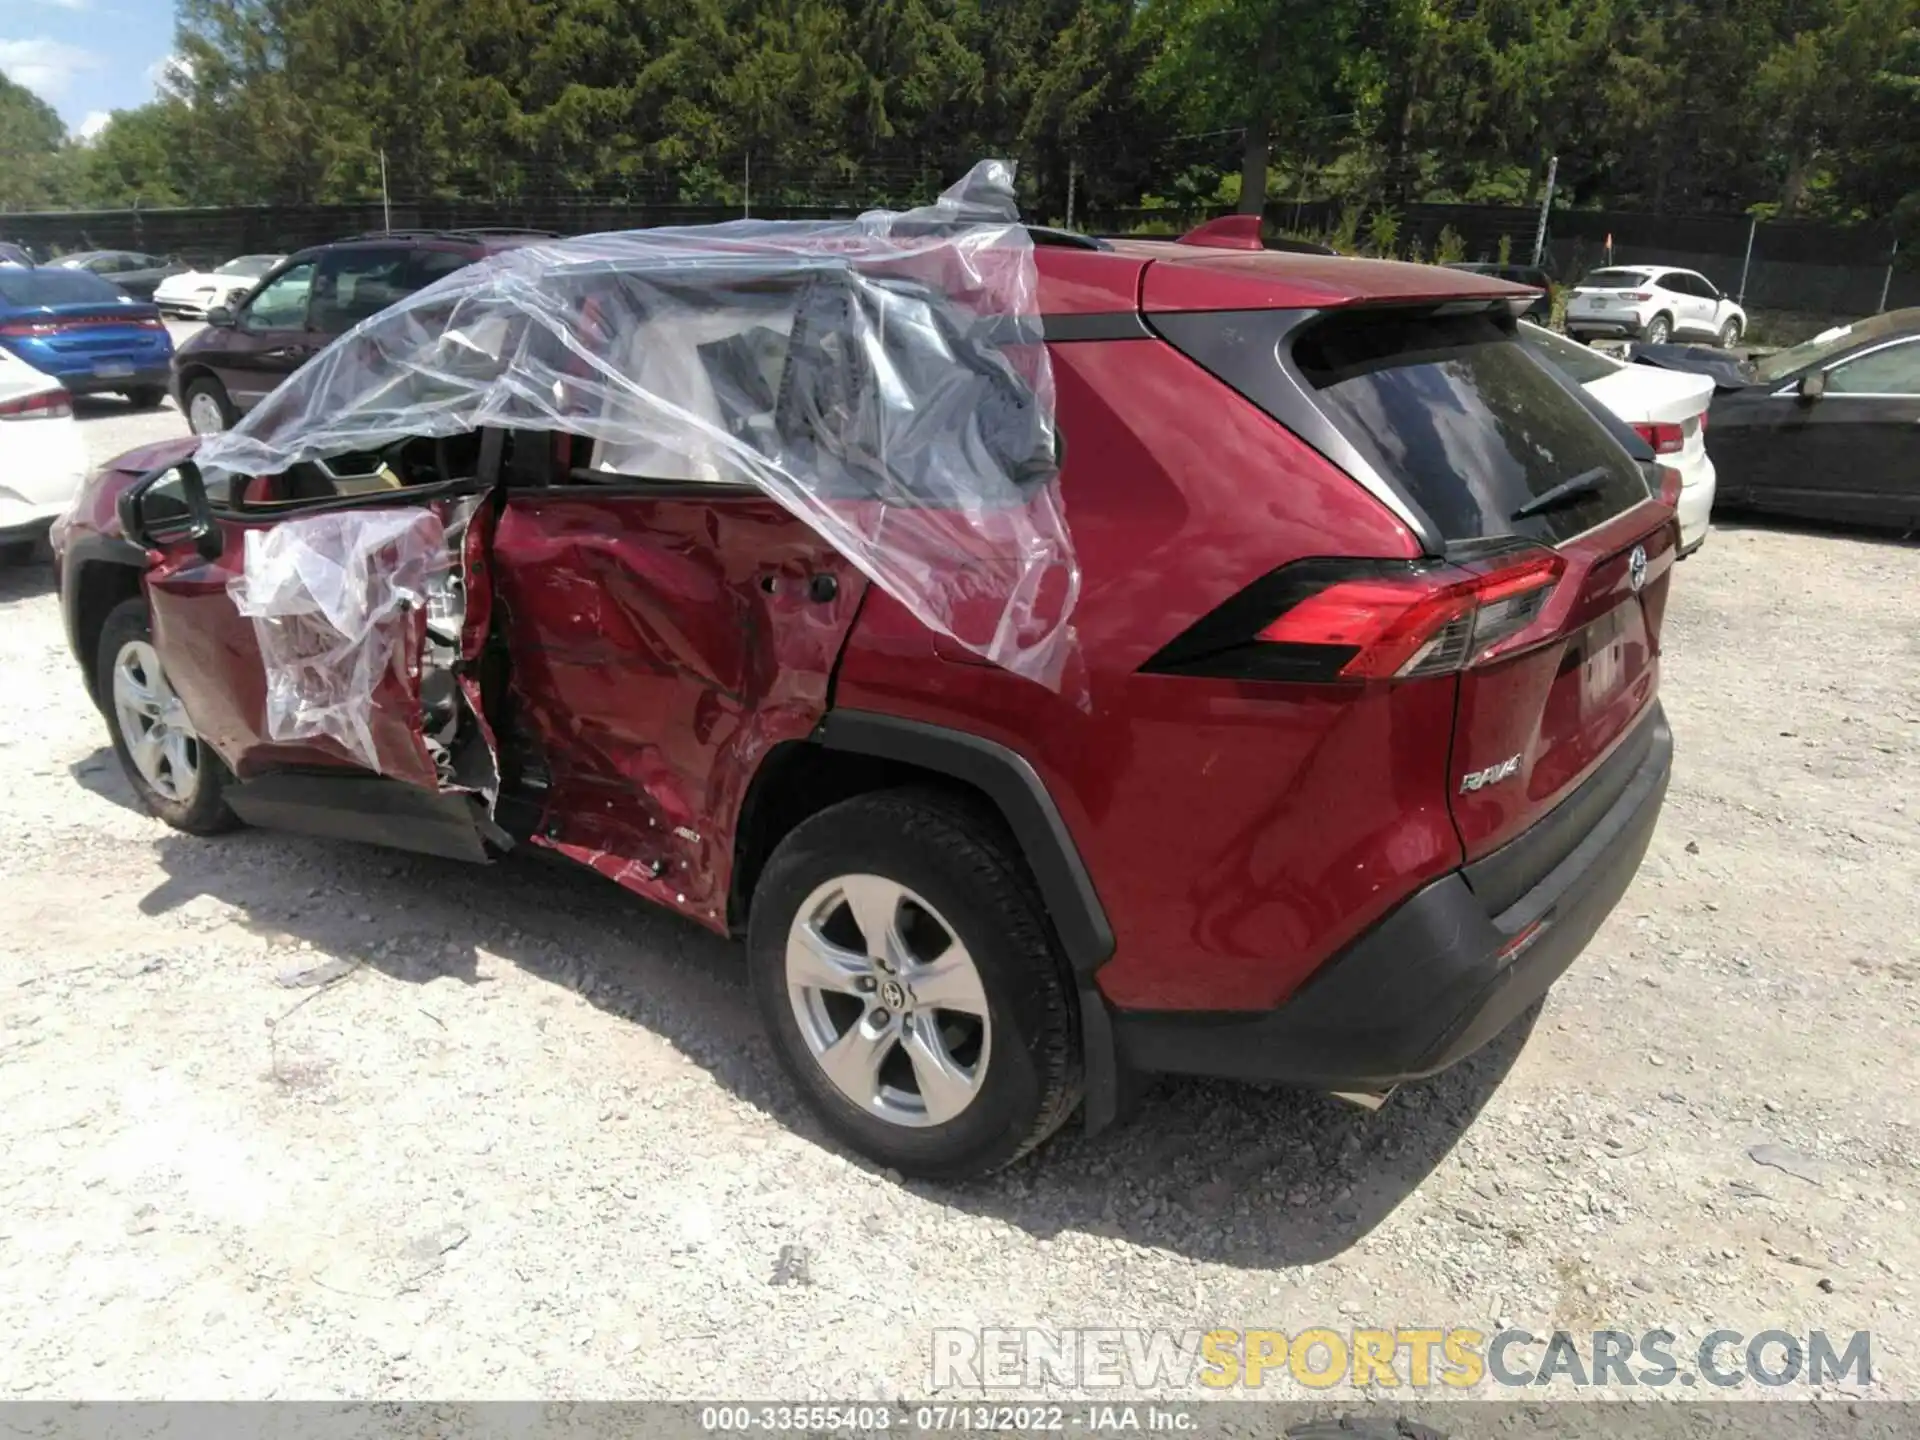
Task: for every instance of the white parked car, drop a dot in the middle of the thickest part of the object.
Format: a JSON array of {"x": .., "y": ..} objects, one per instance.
[
  {"x": 42, "y": 457},
  {"x": 1654, "y": 303},
  {"x": 198, "y": 291},
  {"x": 1666, "y": 408}
]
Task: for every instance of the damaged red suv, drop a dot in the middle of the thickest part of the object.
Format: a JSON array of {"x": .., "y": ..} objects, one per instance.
[{"x": 1357, "y": 746}]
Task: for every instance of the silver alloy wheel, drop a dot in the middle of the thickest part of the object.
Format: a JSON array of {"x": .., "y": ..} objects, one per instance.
[
  {"x": 888, "y": 1000},
  {"x": 154, "y": 724},
  {"x": 1657, "y": 330},
  {"x": 204, "y": 416}
]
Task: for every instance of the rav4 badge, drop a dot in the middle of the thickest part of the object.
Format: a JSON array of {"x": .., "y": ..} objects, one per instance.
[{"x": 1492, "y": 775}]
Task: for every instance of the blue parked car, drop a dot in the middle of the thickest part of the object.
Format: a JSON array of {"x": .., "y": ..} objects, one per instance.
[{"x": 85, "y": 332}]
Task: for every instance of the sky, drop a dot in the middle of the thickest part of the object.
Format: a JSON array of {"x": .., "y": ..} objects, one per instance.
[{"x": 86, "y": 58}]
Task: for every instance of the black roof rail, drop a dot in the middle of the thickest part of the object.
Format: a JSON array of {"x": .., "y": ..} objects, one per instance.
[
  {"x": 463, "y": 232},
  {"x": 1065, "y": 239}
]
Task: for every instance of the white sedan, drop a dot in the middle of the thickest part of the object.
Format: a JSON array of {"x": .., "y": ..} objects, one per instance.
[
  {"x": 1666, "y": 408},
  {"x": 42, "y": 457},
  {"x": 198, "y": 291},
  {"x": 1654, "y": 303}
]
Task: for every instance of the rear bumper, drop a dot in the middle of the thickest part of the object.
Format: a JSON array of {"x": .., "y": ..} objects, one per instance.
[
  {"x": 144, "y": 377},
  {"x": 1446, "y": 971},
  {"x": 1612, "y": 326}
]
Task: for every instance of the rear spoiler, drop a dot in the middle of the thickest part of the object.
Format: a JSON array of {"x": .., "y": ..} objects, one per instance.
[{"x": 1242, "y": 232}]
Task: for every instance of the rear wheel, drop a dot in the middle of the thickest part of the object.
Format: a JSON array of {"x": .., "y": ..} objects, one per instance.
[
  {"x": 209, "y": 411},
  {"x": 147, "y": 397},
  {"x": 906, "y": 974},
  {"x": 177, "y": 778},
  {"x": 1659, "y": 330},
  {"x": 1730, "y": 333}
]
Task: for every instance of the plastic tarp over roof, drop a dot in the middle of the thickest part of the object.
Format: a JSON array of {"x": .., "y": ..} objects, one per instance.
[{"x": 880, "y": 377}]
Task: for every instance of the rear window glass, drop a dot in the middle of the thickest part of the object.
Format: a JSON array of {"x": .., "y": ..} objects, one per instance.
[
  {"x": 1468, "y": 423},
  {"x": 1614, "y": 280},
  {"x": 55, "y": 287},
  {"x": 1570, "y": 357}
]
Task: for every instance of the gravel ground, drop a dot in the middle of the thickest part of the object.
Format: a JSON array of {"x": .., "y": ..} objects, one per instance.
[{"x": 285, "y": 1118}]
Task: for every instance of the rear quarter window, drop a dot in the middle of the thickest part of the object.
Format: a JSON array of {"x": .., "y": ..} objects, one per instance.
[{"x": 1455, "y": 412}]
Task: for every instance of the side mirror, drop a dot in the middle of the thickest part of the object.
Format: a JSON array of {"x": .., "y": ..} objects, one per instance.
[
  {"x": 169, "y": 507},
  {"x": 1812, "y": 385},
  {"x": 221, "y": 317}
]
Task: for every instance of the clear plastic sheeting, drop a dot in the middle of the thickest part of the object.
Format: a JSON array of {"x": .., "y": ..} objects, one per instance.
[
  {"x": 339, "y": 606},
  {"x": 880, "y": 377}
]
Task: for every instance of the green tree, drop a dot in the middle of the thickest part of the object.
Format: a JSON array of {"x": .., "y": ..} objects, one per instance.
[
  {"x": 1259, "y": 66},
  {"x": 34, "y": 158}
]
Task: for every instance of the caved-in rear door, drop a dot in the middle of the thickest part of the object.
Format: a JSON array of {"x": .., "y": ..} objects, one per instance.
[{"x": 664, "y": 636}]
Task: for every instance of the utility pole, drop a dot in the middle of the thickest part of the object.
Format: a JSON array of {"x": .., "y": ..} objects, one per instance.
[
  {"x": 1886, "y": 285},
  {"x": 386, "y": 206},
  {"x": 746, "y": 186},
  {"x": 1546, "y": 204},
  {"x": 1747, "y": 261},
  {"x": 1073, "y": 173}
]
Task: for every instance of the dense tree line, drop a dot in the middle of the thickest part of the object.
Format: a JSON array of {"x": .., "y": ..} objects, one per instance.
[{"x": 1807, "y": 107}]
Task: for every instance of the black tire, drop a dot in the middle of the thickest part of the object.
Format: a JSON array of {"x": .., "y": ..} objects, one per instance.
[
  {"x": 205, "y": 812},
  {"x": 206, "y": 386},
  {"x": 959, "y": 858},
  {"x": 1730, "y": 333},
  {"x": 19, "y": 552},
  {"x": 147, "y": 397},
  {"x": 1659, "y": 329}
]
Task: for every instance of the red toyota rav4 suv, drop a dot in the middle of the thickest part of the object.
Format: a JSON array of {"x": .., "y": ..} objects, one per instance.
[{"x": 1368, "y": 744}]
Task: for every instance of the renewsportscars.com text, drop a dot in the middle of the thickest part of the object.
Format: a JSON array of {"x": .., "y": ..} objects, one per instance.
[{"x": 1321, "y": 1358}]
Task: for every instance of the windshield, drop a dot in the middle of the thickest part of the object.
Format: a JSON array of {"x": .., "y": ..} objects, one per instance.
[
  {"x": 55, "y": 287},
  {"x": 252, "y": 266},
  {"x": 1613, "y": 280},
  {"x": 1579, "y": 362}
]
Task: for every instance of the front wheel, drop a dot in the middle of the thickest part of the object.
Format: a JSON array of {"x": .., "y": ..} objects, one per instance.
[
  {"x": 209, "y": 411},
  {"x": 178, "y": 779},
  {"x": 1659, "y": 330},
  {"x": 907, "y": 976}
]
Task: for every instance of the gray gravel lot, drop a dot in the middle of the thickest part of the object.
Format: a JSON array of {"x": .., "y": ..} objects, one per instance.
[{"x": 529, "y": 1142}]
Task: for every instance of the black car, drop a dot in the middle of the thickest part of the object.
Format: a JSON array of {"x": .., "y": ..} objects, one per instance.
[
  {"x": 1827, "y": 430},
  {"x": 136, "y": 274},
  {"x": 1532, "y": 276},
  {"x": 311, "y": 299}
]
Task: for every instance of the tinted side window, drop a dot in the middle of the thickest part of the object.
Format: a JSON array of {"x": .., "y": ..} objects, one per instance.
[
  {"x": 281, "y": 304},
  {"x": 1892, "y": 371},
  {"x": 354, "y": 284},
  {"x": 431, "y": 265}
]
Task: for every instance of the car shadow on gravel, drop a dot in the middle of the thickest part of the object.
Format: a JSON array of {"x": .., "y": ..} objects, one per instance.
[
  {"x": 1229, "y": 1173},
  {"x": 25, "y": 578},
  {"x": 1740, "y": 520}
]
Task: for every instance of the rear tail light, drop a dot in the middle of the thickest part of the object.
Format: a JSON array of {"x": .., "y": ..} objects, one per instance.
[
  {"x": 47, "y": 405},
  {"x": 1702, "y": 417},
  {"x": 1338, "y": 620},
  {"x": 1639, "y": 295},
  {"x": 1664, "y": 438},
  {"x": 1670, "y": 483},
  {"x": 32, "y": 329}
]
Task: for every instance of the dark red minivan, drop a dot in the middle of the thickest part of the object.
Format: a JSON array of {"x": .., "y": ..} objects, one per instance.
[{"x": 1368, "y": 743}]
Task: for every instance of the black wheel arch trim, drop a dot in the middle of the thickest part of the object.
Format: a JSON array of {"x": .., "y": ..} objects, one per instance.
[
  {"x": 1007, "y": 779},
  {"x": 79, "y": 559},
  {"x": 1011, "y": 783}
]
